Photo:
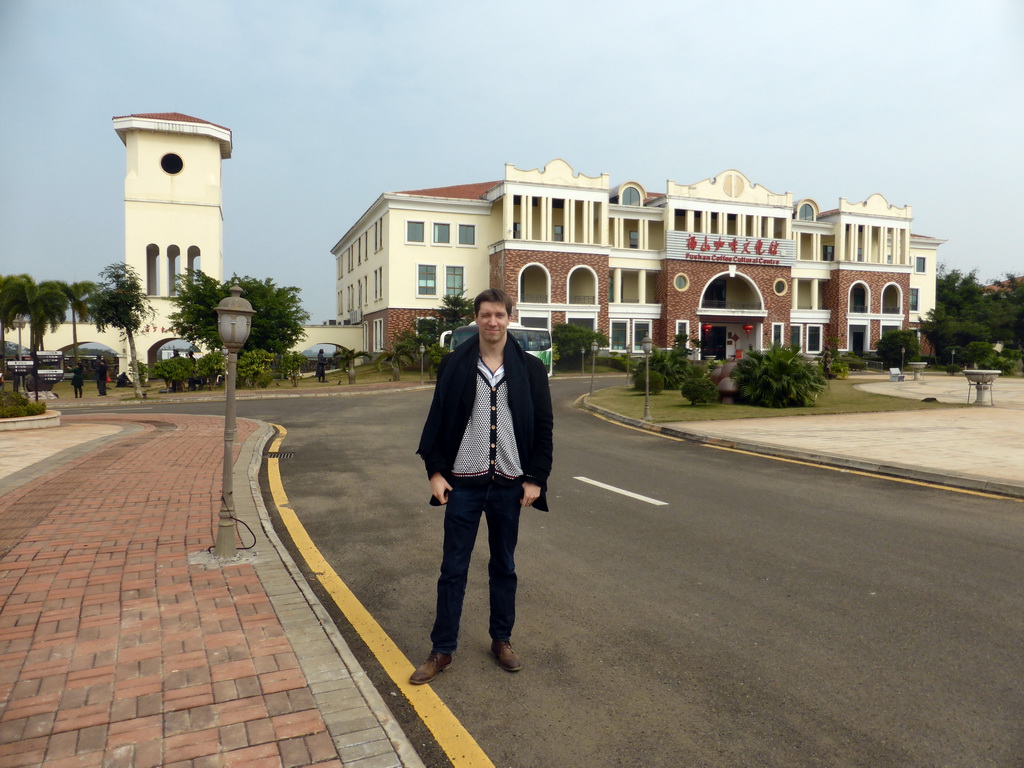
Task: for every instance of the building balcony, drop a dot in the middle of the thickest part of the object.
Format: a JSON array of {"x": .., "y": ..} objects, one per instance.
[
  {"x": 533, "y": 298},
  {"x": 731, "y": 305},
  {"x": 892, "y": 311},
  {"x": 580, "y": 299}
]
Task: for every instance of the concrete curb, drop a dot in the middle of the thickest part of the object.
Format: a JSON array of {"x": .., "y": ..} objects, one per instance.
[
  {"x": 325, "y": 701},
  {"x": 902, "y": 471},
  {"x": 42, "y": 421}
]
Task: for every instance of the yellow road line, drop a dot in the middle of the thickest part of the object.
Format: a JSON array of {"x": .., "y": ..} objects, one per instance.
[
  {"x": 457, "y": 743},
  {"x": 861, "y": 472}
]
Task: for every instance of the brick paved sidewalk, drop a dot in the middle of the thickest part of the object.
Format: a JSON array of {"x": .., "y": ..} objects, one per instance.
[{"x": 114, "y": 650}]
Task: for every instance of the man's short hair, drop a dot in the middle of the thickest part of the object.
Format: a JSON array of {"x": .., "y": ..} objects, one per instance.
[{"x": 496, "y": 296}]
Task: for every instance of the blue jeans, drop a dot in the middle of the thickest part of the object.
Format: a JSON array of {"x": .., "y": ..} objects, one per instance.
[{"x": 461, "y": 520}]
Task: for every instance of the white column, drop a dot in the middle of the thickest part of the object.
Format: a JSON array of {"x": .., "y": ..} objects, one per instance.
[
  {"x": 814, "y": 293},
  {"x": 548, "y": 218},
  {"x": 641, "y": 286},
  {"x": 794, "y": 287},
  {"x": 527, "y": 213},
  {"x": 644, "y": 234},
  {"x": 617, "y": 285},
  {"x": 507, "y": 213},
  {"x": 602, "y": 221},
  {"x": 569, "y": 213},
  {"x": 688, "y": 221}
]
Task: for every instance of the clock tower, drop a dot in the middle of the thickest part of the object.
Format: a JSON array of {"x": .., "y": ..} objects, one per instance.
[{"x": 173, "y": 218}]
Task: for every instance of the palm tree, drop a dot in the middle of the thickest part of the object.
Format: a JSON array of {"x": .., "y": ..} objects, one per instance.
[
  {"x": 348, "y": 357},
  {"x": 78, "y": 297},
  {"x": 402, "y": 351},
  {"x": 44, "y": 304},
  {"x": 6, "y": 320}
]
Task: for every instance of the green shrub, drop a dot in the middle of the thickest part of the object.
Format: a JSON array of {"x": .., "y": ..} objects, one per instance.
[
  {"x": 855, "y": 363},
  {"x": 778, "y": 377},
  {"x": 699, "y": 390},
  {"x": 254, "y": 368},
  {"x": 290, "y": 366},
  {"x": 174, "y": 370},
  {"x": 953, "y": 369},
  {"x": 14, "y": 405},
  {"x": 656, "y": 383}
]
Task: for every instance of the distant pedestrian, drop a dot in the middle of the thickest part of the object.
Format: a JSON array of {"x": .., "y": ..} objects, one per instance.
[
  {"x": 78, "y": 380},
  {"x": 321, "y": 366},
  {"x": 101, "y": 376}
]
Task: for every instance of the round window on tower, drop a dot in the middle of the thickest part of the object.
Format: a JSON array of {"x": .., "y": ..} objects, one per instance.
[{"x": 171, "y": 163}]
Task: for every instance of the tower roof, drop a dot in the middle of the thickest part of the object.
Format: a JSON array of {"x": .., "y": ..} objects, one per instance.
[{"x": 174, "y": 122}]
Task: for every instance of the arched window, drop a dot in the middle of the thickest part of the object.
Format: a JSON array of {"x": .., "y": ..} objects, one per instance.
[
  {"x": 630, "y": 196},
  {"x": 859, "y": 298},
  {"x": 806, "y": 212}
]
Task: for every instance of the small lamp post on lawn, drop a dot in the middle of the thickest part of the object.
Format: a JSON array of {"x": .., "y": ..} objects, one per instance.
[
  {"x": 647, "y": 345},
  {"x": 593, "y": 363},
  {"x": 234, "y": 319},
  {"x": 423, "y": 351}
]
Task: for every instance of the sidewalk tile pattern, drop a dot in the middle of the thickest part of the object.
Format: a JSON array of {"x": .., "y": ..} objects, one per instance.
[{"x": 114, "y": 651}]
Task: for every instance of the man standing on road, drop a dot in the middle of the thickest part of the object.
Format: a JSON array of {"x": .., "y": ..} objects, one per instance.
[{"x": 487, "y": 448}]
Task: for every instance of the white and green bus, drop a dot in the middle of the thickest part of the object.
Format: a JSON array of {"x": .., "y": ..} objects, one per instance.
[{"x": 534, "y": 341}]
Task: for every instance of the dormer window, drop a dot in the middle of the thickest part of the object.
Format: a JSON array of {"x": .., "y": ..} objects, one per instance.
[
  {"x": 806, "y": 212},
  {"x": 630, "y": 196}
]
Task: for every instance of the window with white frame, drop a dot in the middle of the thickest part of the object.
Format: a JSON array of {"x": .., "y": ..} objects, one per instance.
[
  {"x": 454, "y": 281},
  {"x": 619, "y": 335},
  {"x": 378, "y": 335},
  {"x": 814, "y": 338},
  {"x": 915, "y": 294},
  {"x": 920, "y": 265},
  {"x": 683, "y": 328},
  {"x": 442, "y": 234},
  {"x": 778, "y": 334},
  {"x": 795, "y": 336},
  {"x": 558, "y": 233},
  {"x": 414, "y": 231},
  {"x": 426, "y": 280},
  {"x": 641, "y": 329},
  {"x": 467, "y": 234}
]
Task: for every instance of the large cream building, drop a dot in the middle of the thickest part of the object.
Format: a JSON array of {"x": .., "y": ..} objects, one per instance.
[{"x": 723, "y": 259}]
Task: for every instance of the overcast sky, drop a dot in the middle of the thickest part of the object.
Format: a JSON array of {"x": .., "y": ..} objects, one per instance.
[{"x": 333, "y": 102}]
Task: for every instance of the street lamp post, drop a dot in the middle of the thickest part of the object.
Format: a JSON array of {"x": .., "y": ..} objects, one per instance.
[
  {"x": 234, "y": 319},
  {"x": 423, "y": 351},
  {"x": 903, "y": 353},
  {"x": 647, "y": 345},
  {"x": 19, "y": 323},
  {"x": 593, "y": 363}
]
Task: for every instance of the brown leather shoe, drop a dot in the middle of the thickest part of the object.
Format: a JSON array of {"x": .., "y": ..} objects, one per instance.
[
  {"x": 507, "y": 658},
  {"x": 427, "y": 671}
]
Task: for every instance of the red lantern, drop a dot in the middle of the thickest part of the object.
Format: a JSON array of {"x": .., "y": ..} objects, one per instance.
[
  {"x": 748, "y": 328},
  {"x": 706, "y": 327}
]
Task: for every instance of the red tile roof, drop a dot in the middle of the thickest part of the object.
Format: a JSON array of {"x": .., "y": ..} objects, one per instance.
[
  {"x": 460, "y": 191},
  {"x": 177, "y": 117}
]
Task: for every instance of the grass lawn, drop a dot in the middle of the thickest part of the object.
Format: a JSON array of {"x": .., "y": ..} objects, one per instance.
[{"x": 669, "y": 406}]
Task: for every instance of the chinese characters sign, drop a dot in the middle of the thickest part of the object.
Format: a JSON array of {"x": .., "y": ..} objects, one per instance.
[{"x": 730, "y": 249}]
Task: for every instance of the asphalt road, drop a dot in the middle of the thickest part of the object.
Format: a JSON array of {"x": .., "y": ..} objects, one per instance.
[{"x": 768, "y": 614}]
